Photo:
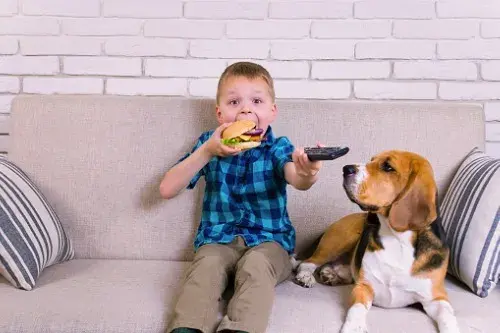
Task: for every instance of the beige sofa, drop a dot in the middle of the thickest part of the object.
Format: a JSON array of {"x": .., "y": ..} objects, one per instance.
[{"x": 99, "y": 160}]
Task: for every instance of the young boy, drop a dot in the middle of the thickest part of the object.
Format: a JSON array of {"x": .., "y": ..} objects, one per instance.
[{"x": 245, "y": 231}]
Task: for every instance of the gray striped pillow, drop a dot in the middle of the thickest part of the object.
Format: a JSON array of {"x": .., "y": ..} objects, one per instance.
[
  {"x": 31, "y": 235},
  {"x": 470, "y": 214}
]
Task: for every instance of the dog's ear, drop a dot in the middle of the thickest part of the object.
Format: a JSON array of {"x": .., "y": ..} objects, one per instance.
[{"x": 415, "y": 208}]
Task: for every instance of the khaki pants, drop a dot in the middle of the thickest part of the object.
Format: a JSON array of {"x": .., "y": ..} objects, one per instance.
[{"x": 256, "y": 272}]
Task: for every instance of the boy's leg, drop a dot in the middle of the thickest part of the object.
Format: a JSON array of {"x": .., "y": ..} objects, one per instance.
[
  {"x": 205, "y": 280},
  {"x": 257, "y": 273}
]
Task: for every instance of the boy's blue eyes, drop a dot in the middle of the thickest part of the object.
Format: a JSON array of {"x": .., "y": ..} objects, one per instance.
[{"x": 255, "y": 100}]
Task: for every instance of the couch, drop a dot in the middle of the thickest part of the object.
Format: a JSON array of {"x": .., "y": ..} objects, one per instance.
[{"x": 99, "y": 160}]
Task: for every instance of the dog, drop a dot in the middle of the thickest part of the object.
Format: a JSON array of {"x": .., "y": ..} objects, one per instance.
[{"x": 395, "y": 253}]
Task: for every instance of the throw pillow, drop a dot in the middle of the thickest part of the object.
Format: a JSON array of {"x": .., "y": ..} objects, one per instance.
[
  {"x": 471, "y": 214},
  {"x": 31, "y": 235}
]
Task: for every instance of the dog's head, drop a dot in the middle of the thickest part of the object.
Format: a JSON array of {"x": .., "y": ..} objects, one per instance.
[{"x": 398, "y": 184}]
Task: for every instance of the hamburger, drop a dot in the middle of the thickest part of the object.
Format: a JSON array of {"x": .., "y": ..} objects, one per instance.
[{"x": 242, "y": 134}]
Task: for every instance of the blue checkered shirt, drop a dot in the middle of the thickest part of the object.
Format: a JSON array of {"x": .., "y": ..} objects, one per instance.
[{"x": 245, "y": 195}]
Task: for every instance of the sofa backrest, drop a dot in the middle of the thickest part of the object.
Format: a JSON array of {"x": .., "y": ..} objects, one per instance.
[{"x": 99, "y": 161}]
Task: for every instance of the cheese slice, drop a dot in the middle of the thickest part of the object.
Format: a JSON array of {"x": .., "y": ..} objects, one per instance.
[{"x": 245, "y": 137}]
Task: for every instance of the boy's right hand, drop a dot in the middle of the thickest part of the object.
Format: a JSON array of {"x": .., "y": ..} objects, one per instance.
[{"x": 215, "y": 147}]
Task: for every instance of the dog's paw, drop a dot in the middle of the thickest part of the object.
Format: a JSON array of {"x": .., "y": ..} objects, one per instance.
[
  {"x": 335, "y": 275},
  {"x": 353, "y": 327},
  {"x": 449, "y": 327},
  {"x": 305, "y": 279}
]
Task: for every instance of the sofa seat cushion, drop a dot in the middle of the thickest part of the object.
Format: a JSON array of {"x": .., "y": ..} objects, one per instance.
[
  {"x": 93, "y": 296},
  {"x": 137, "y": 296},
  {"x": 322, "y": 309}
]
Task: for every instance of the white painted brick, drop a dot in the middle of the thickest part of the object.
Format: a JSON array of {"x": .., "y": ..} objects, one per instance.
[
  {"x": 394, "y": 9},
  {"x": 75, "y": 8},
  {"x": 285, "y": 29},
  {"x": 184, "y": 28},
  {"x": 257, "y": 49},
  {"x": 436, "y": 29},
  {"x": 203, "y": 87},
  {"x": 469, "y": 9},
  {"x": 5, "y": 103},
  {"x": 102, "y": 66},
  {"x": 351, "y": 70},
  {"x": 4, "y": 143},
  {"x": 185, "y": 67},
  {"x": 312, "y": 49},
  {"x": 351, "y": 29},
  {"x": 490, "y": 70},
  {"x": 473, "y": 49},
  {"x": 312, "y": 89},
  {"x": 29, "y": 65},
  {"x": 9, "y": 84},
  {"x": 84, "y": 85},
  {"x": 490, "y": 29},
  {"x": 4, "y": 123},
  {"x": 8, "y": 7},
  {"x": 395, "y": 90},
  {"x": 60, "y": 46},
  {"x": 395, "y": 50},
  {"x": 147, "y": 87},
  {"x": 492, "y": 111},
  {"x": 282, "y": 69},
  {"x": 469, "y": 90},
  {"x": 101, "y": 27},
  {"x": 143, "y": 8},
  {"x": 8, "y": 45},
  {"x": 131, "y": 46},
  {"x": 29, "y": 26},
  {"x": 493, "y": 131},
  {"x": 226, "y": 10},
  {"x": 439, "y": 70},
  {"x": 493, "y": 149},
  {"x": 310, "y": 9}
]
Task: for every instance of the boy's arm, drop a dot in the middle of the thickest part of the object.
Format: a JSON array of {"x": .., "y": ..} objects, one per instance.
[
  {"x": 177, "y": 178},
  {"x": 301, "y": 173},
  {"x": 180, "y": 175}
]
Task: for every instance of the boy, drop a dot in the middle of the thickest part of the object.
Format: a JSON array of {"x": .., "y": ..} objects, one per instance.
[{"x": 245, "y": 231}]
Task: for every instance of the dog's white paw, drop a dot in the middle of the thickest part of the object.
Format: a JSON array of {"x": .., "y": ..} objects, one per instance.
[
  {"x": 449, "y": 327},
  {"x": 305, "y": 279},
  {"x": 353, "y": 327},
  {"x": 355, "y": 321}
]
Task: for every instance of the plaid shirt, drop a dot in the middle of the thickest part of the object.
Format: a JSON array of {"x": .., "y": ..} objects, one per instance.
[{"x": 245, "y": 195}]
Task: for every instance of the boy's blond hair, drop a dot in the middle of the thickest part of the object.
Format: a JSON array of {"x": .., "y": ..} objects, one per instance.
[{"x": 248, "y": 70}]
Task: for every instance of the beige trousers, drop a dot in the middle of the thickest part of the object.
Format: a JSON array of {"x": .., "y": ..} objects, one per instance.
[{"x": 256, "y": 271}]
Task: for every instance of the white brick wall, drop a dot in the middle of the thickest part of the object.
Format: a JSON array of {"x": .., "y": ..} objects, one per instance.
[{"x": 444, "y": 50}]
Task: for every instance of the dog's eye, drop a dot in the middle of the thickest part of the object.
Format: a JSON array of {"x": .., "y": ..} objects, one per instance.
[{"x": 387, "y": 167}]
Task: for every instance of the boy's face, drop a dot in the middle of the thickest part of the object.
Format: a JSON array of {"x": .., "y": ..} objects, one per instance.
[{"x": 242, "y": 98}]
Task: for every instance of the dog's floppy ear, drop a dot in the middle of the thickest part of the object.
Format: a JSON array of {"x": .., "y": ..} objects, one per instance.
[{"x": 416, "y": 206}]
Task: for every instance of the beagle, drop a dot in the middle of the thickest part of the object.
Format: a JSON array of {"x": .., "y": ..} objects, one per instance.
[{"x": 396, "y": 258}]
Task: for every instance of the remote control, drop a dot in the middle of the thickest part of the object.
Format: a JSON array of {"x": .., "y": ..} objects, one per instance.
[{"x": 325, "y": 153}]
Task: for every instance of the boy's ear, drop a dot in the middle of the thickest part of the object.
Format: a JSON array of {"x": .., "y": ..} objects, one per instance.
[
  {"x": 218, "y": 113},
  {"x": 275, "y": 110}
]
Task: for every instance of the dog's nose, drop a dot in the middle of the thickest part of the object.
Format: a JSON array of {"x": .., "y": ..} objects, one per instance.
[{"x": 349, "y": 170}]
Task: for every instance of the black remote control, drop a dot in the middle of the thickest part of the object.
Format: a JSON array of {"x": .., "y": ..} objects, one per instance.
[{"x": 325, "y": 153}]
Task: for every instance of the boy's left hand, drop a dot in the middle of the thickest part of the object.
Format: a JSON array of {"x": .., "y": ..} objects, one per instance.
[{"x": 303, "y": 166}]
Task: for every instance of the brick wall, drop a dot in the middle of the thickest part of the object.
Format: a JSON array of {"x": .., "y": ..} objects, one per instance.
[{"x": 336, "y": 49}]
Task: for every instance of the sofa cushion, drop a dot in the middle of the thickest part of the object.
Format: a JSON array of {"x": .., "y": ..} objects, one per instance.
[
  {"x": 471, "y": 216},
  {"x": 96, "y": 296},
  {"x": 31, "y": 235}
]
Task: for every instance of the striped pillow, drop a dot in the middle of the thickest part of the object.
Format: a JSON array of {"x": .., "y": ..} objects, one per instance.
[
  {"x": 31, "y": 236},
  {"x": 470, "y": 214}
]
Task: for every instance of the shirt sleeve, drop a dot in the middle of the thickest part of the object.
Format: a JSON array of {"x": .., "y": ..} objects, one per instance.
[
  {"x": 282, "y": 154},
  {"x": 201, "y": 140}
]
